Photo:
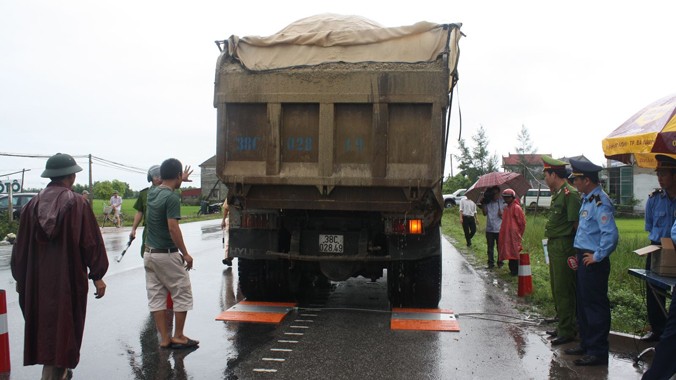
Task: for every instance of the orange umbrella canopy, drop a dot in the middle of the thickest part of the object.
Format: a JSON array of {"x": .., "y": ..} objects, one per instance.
[{"x": 650, "y": 131}]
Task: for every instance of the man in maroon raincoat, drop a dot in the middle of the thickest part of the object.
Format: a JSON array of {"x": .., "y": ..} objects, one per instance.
[
  {"x": 511, "y": 231},
  {"x": 58, "y": 249}
]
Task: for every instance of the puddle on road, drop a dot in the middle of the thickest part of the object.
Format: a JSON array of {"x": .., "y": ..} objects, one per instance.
[
  {"x": 212, "y": 232},
  {"x": 535, "y": 354}
]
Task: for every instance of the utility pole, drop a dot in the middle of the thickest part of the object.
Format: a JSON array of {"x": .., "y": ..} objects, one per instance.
[
  {"x": 451, "y": 157},
  {"x": 23, "y": 171},
  {"x": 10, "y": 208}
]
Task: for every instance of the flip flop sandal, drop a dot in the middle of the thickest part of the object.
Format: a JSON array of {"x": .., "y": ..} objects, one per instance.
[{"x": 190, "y": 343}]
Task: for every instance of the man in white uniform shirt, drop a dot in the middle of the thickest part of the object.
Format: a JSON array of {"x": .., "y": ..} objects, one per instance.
[
  {"x": 468, "y": 219},
  {"x": 116, "y": 203}
]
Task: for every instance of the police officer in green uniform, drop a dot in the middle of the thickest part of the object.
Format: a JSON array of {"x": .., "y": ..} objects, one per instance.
[{"x": 560, "y": 232}]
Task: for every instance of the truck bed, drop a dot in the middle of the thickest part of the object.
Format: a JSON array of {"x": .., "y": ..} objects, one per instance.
[{"x": 367, "y": 134}]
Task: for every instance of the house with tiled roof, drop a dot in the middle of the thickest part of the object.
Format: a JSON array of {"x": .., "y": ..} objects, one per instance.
[
  {"x": 191, "y": 196},
  {"x": 212, "y": 187}
]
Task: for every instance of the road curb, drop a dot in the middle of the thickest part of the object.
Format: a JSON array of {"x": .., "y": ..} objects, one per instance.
[{"x": 622, "y": 343}]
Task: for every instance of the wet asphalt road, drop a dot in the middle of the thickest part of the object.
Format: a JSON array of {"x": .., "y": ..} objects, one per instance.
[{"x": 337, "y": 333}]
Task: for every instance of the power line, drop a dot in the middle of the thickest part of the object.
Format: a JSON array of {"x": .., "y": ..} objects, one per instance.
[
  {"x": 26, "y": 155},
  {"x": 117, "y": 164},
  {"x": 95, "y": 159}
]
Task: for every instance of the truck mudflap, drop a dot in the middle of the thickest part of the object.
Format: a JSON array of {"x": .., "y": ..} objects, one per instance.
[
  {"x": 414, "y": 278},
  {"x": 414, "y": 283},
  {"x": 252, "y": 243},
  {"x": 414, "y": 247}
]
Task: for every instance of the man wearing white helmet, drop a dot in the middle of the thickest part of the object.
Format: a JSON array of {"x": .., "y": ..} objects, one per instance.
[{"x": 141, "y": 203}]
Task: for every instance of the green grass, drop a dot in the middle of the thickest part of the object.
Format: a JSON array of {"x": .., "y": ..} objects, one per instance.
[
  {"x": 188, "y": 213},
  {"x": 626, "y": 293}
]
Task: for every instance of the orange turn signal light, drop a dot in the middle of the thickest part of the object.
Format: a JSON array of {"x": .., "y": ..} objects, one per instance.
[{"x": 415, "y": 226}]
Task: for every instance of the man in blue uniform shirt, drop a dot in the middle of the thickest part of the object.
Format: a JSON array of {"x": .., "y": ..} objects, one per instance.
[
  {"x": 595, "y": 239},
  {"x": 659, "y": 217},
  {"x": 664, "y": 365}
]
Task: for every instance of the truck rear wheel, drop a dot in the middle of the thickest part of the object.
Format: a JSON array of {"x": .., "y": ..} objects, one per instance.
[
  {"x": 264, "y": 280},
  {"x": 415, "y": 283}
]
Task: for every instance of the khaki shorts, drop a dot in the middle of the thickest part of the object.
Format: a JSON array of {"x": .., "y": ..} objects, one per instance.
[{"x": 166, "y": 274}]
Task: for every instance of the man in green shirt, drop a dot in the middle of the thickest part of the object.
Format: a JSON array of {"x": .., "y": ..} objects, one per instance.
[
  {"x": 166, "y": 259},
  {"x": 142, "y": 201},
  {"x": 560, "y": 232}
]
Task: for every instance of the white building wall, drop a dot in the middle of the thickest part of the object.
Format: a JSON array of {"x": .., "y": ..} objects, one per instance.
[{"x": 645, "y": 181}]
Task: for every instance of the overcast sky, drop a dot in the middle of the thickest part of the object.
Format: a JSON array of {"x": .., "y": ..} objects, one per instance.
[{"x": 132, "y": 81}]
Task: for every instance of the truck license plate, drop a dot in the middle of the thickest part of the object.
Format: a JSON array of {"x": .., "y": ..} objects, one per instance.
[{"x": 331, "y": 243}]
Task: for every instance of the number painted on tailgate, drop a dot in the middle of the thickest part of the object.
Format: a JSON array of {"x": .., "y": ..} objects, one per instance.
[{"x": 331, "y": 243}]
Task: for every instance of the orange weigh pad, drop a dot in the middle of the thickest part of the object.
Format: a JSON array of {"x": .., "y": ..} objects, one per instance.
[
  {"x": 424, "y": 320},
  {"x": 257, "y": 312}
]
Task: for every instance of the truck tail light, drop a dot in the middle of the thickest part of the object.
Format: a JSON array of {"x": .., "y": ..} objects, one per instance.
[
  {"x": 399, "y": 226},
  {"x": 259, "y": 220},
  {"x": 406, "y": 226}
]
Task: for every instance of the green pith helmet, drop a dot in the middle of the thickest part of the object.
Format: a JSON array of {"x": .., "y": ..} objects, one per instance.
[{"x": 59, "y": 165}]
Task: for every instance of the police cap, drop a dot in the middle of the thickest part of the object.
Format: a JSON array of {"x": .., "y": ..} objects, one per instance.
[
  {"x": 584, "y": 169},
  {"x": 665, "y": 162},
  {"x": 552, "y": 163}
]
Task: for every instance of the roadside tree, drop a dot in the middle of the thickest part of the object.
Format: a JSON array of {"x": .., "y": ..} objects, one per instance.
[
  {"x": 104, "y": 189},
  {"x": 524, "y": 147},
  {"x": 452, "y": 184},
  {"x": 477, "y": 161}
]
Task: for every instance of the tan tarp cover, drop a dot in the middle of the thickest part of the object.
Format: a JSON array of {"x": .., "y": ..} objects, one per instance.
[{"x": 337, "y": 38}]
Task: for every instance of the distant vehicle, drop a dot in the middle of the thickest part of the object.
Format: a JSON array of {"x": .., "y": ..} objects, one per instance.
[
  {"x": 18, "y": 201},
  {"x": 453, "y": 199},
  {"x": 544, "y": 201}
]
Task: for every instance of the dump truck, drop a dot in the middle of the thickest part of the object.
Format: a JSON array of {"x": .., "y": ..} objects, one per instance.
[{"x": 331, "y": 140}]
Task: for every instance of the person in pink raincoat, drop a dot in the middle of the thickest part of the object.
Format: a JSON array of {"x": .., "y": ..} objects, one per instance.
[{"x": 511, "y": 231}]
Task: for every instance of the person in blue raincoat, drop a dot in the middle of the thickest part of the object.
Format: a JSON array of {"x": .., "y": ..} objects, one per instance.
[{"x": 596, "y": 238}]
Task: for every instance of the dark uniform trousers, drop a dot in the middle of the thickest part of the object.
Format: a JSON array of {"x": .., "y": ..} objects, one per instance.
[
  {"x": 562, "y": 280},
  {"x": 664, "y": 365},
  {"x": 593, "y": 306}
]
